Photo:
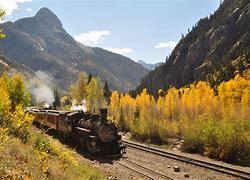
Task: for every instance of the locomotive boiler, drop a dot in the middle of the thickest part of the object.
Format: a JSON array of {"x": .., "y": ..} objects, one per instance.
[{"x": 92, "y": 132}]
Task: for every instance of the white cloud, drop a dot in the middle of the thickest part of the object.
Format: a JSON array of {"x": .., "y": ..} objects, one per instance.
[
  {"x": 22, "y": 1},
  {"x": 119, "y": 50},
  {"x": 92, "y": 37},
  {"x": 169, "y": 44},
  {"x": 10, "y": 5},
  {"x": 29, "y": 9}
]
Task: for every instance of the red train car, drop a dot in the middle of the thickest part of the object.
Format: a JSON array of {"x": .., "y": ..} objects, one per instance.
[{"x": 53, "y": 119}]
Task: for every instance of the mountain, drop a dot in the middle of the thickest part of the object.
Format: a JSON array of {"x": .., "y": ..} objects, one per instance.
[
  {"x": 149, "y": 66},
  {"x": 41, "y": 43},
  {"x": 216, "y": 49},
  {"x": 10, "y": 66}
]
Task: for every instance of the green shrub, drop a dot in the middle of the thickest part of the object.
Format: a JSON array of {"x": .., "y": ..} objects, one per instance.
[{"x": 226, "y": 140}]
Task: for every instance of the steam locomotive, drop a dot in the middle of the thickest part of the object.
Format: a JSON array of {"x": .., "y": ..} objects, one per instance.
[{"x": 92, "y": 132}]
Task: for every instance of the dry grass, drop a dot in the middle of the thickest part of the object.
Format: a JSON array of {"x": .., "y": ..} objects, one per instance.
[{"x": 41, "y": 157}]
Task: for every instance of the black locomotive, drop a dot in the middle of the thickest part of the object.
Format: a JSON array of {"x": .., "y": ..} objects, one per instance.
[{"x": 91, "y": 131}]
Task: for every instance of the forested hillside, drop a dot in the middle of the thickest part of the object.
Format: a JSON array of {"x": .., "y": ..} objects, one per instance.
[
  {"x": 215, "y": 49},
  {"x": 11, "y": 66}
]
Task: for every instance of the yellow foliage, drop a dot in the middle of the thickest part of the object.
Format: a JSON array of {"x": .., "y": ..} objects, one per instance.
[
  {"x": 114, "y": 107},
  {"x": 4, "y": 101},
  {"x": 95, "y": 97},
  {"x": 208, "y": 118},
  {"x": 78, "y": 90},
  {"x": 13, "y": 97},
  {"x": 4, "y": 138},
  {"x": 17, "y": 91},
  {"x": 67, "y": 159},
  {"x": 20, "y": 122}
]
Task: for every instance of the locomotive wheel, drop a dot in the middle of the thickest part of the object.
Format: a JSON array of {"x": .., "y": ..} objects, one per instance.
[
  {"x": 91, "y": 146},
  {"x": 82, "y": 142}
]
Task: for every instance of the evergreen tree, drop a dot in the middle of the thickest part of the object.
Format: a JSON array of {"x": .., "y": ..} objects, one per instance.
[
  {"x": 57, "y": 102},
  {"x": 107, "y": 92},
  {"x": 89, "y": 78}
]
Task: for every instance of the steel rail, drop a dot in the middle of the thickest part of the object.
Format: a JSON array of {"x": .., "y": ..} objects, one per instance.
[
  {"x": 151, "y": 170},
  {"x": 204, "y": 164},
  {"x": 135, "y": 170}
]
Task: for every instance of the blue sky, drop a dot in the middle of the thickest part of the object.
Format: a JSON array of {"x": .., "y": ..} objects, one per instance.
[{"x": 139, "y": 29}]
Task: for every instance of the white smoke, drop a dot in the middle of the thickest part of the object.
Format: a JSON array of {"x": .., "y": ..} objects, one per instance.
[
  {"x": 40, "y": 87},
  {"x": 79, "y": 107},
  {"x": 43, "y": 93},
  {"x": 46, "y": 77}
]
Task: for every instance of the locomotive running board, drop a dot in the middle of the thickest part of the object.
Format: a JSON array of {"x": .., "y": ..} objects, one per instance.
[{"x": 83, "y": 129}]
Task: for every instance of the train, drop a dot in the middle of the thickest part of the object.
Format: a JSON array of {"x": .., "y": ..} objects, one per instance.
[{"x": 92, "y": 132}]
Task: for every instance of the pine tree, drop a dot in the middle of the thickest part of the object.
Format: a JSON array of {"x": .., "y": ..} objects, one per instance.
[
  {"x": 57, "y": 102},
  {"x": 107, "y": 92},
  {"x": 89, "y": 78}
]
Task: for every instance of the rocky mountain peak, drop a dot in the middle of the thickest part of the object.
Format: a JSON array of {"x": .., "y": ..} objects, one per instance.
[
  {"x": 41, "y": 43},
  {"x": 45, "y": 15},
  {"x": 44, "y": 10}
]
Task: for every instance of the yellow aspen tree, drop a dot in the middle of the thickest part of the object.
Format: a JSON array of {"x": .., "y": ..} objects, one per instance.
[
  {"x": 127, "y": 104},
  {"x": 153, "y": 124},
  {"x": 245, "y": 103},
  {"x": 143, "y": 103},
  {"x": 5, "y": 102},
  {"x": 184, "y": 102},
  {"x": 122, "y": 117},
  {"x": 95, "y": 97},
  {"x": 114, "y": 106},
  {"x": 78, "y": 90},
  {"x": 171, "y": 104},
  {"x": 205, "y": 98},
  {"x": 160, "y": 108},
  {"x": 230, "y": 93},
  {"x": 18, "y": 93}
]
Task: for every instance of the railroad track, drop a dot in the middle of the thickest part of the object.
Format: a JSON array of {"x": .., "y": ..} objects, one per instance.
[
  {"x": 204, "y": 164},
  {"x": 142, "y": 170}
]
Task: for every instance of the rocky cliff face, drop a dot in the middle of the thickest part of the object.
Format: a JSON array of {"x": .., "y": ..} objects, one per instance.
[
  {"x": 41, "y": 43},
  {"x": 214, "y": 50}
]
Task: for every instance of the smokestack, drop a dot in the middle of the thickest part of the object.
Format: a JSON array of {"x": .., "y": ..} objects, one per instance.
[{"x": 104, "y": 112}]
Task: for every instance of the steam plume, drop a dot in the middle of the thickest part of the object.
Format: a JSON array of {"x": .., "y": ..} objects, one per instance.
[{"x": 40, "y": 87}]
